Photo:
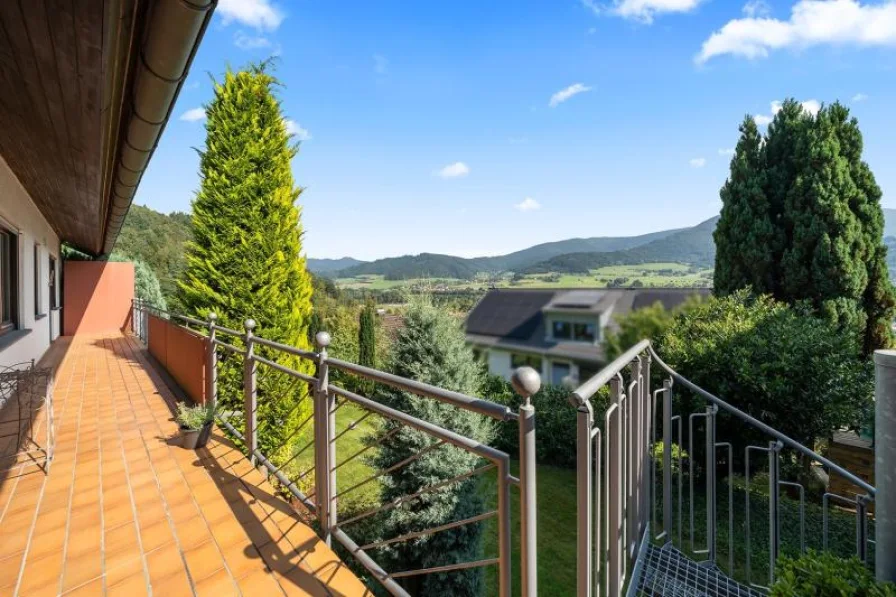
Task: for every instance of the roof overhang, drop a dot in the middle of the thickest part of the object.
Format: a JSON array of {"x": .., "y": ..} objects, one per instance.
[{"x": 89, "y": 88}]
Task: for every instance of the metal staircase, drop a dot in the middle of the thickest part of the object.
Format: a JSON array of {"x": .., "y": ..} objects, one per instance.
[{"x": 667, "y": 571}]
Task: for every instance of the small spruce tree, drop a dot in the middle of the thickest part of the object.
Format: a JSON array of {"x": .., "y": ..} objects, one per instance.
[
  {"x": 245, "y": 260},
  {"x": 432, "y": 348}
]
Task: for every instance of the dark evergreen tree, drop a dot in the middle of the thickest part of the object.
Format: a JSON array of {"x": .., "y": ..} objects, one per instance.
[
  {"x": 367, "y": 335},
  {"x": 745, "y": 236},
  {"x": 431, "y": 348},
  {"x": 245, "y": 260},
  {"x": 805, "y": 223}
]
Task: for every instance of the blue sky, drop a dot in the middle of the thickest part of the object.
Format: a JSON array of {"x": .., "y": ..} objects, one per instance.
[{"x": 475, "y": 128}]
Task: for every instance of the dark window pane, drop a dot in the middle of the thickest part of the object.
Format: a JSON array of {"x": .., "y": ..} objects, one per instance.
[
  {"x": 562, "y": 330},
  {"x": 525, "y": 360},
  {"x": 583, "y": 332}
]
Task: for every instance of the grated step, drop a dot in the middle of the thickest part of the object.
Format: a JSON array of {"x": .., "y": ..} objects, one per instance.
[{"x": 667, "y": 571}]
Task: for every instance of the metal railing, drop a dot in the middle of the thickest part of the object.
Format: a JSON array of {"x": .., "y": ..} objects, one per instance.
[
  {"x": 316, "y": 439},
  {"x": 623, "y": 493}
]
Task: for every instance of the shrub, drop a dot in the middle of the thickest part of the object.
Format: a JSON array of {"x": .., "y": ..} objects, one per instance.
[
  {"x": 825, "y": 575},
  {"x": 799, "y": 373},
  {"x": 194, "y": 417}
]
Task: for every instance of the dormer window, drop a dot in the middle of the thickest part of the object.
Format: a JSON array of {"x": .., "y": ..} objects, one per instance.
[
  {"x": 562, "y": 330},
  {"x": 583, "y": 332}
]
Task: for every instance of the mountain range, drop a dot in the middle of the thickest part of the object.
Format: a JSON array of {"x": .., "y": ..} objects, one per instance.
[{"x": 693, "y": 246}]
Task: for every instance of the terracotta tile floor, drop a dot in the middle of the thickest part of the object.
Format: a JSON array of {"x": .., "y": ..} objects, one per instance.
[{"x": 123, "y": 512}]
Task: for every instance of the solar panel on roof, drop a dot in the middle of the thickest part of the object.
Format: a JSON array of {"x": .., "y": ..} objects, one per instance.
[{"x": 581, "y": 299}]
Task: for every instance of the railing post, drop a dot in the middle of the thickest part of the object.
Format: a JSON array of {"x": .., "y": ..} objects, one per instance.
[
  {"x": 526, "y": 381},
  {"x": 862, "y": 527},
  {"x": 774, "y": 522},
  {"x": 250, "y": 391},
  {"x": 584, "y": 539},
  {"x": 667, "y": 459},
  {"x": 615, "y": 486},
  {"x": 211, "y": 373},
  {"x": 885, "y": 464},
  {"x": 711, "y": 486},
  {"x": 324, "y": 476}
]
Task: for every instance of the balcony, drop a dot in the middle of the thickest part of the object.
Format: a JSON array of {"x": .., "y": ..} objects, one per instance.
[{"x": 123, "y": 511}]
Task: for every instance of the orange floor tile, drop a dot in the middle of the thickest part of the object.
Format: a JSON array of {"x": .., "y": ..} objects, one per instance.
[{"x": 121, "y": 511}]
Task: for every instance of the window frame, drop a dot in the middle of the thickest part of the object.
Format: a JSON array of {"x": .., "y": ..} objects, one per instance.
[
  {"x": 560, "y": 322},
  {"x": 9, "y": 279},
  {"x": 53, "y": 274},
  {"x": 583, "y": 338},
  {"x": 524, "y": 359},
  {"x": 38, "y": 295}
]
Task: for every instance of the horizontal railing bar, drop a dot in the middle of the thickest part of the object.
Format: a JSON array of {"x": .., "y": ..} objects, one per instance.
[
  {"x": 198, "y": 322},
  {"x": 762, "y": 426},
  {"x": 375, "y": 569},
  {"x": 396, "y": 466},
  {"x": 305, "y": 354},
  {"x": 485, "y": 407},
  {"x": 284, "y": 368},
  {"x": 229, "y": 347},
  {"x": 367, "y": 447},
  {"x": 432, "y": 531},
  {"x": 450, "y": 436},
  {"x": 448, "y": 568},
  {"x": 221, "y": 328},
  {"x": 588, "y": 389},
  {"x": 295, "y": 431},
  {"x": 299, "y": 453},
  {"x": 427, "y": 489},
  {"x": 353, "y": 425}
]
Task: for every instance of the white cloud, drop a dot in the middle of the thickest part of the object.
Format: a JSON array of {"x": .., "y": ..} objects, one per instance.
[
  {"x": 728, "y": 151},
  {"x": 527, "y": 204},
  {"x": 859, "y": 97},
  {"x": 380, "y": 64},
  {"x": 811, "y": 23},
  {"x": 757, "y": 8},
  {"x": 193, "y": 115},
  {"x": 697, "y": 162},
  {"x": 250, "y": 42},
  {"x": 641, "y": 10},
  {"x": 811, "y": 106},
  {"x": 293, "y": 128},
  {"x": 260, "y": 14},
  {"x": 564, "y": 94},
  {"x": 455, "y": 170}
]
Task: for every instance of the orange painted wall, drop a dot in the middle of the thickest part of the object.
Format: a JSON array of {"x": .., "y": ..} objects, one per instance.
[
  {"x": 97, "y": 296},
  {"x": 182, "y": 353}
]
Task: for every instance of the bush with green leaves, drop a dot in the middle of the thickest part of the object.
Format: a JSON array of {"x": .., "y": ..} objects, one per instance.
[
  {"x": 431, "y": 348},
  {"x": 647, "y": 323},
  {"x": 823, "y": 574},
  {"x": 245, "y": 259},
  {"x": 799, "y": 373}
]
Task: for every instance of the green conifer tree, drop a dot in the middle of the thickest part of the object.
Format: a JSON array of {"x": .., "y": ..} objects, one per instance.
[
  {"x": 745, "y": 237},
  {"x": 245, "y": 260},
  {"x": 432, "y": 348},
  {"x": 367, "y": 335},
  {"x": 805, "y": 224}
]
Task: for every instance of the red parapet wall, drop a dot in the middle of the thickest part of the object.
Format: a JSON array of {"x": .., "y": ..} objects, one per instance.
[
  {"x": 97, "y": 296},
  {"x": 182, "y": 353}
]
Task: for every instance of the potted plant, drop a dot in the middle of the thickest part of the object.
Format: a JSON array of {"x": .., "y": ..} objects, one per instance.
[{"x": 195, "y": 424}]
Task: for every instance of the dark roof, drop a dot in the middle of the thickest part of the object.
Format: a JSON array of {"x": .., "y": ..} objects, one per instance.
[
  {"x": 669, "y": 297},
  {"x": 508, "y": 313}
]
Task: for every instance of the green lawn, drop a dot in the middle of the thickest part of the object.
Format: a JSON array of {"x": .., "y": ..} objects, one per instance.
[{"x": 556, "y": 505}]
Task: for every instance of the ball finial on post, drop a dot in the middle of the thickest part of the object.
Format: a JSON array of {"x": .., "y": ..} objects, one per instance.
[
  {"x": 212, "y": 316},
  {"x": 249, "y": 324},
  {"x": 322, "y": 339},
  {"x": 526, "y": 381}
]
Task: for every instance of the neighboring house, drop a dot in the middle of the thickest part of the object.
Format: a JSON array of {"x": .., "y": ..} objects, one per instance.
[{"x": 558, "y": 332}]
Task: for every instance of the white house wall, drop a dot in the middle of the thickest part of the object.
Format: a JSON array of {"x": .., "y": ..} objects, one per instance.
[{"x": 19, "y": 214}]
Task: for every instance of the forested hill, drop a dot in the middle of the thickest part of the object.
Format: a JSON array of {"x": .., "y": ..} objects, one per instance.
[
  {"x": 323, "y": 266},
  {"x": 158, "y": 240}
]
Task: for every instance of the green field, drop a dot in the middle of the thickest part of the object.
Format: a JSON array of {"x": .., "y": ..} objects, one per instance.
[{"x": 647, "y": 274}]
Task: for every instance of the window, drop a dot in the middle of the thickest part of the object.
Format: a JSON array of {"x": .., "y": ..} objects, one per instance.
[
  {"x": 583, "y": 332},
  {"x": 9, "y": 280},
  {"x": 562, "y": 330},
  {"x": 37, "y": 282},
  {"x": 525, "y": 360},
  {"x": 559, "y": 372},
  {"x": 52, "y": 273}
]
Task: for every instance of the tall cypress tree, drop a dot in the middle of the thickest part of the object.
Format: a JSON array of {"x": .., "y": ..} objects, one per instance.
[
  {"x": 367, "y": 335},
  {"x": 431, "y": 348},
  {"x": 745, "y": 236},
  {"x": 823, "y": 204},
  {"x": 245, "y": 260}
]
